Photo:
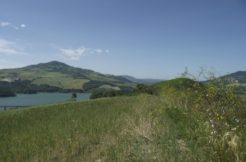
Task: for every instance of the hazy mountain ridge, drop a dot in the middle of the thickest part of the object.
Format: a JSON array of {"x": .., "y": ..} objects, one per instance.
[
  {"x": 147, "y": 81},
  {"x": 237, "y": 77}
]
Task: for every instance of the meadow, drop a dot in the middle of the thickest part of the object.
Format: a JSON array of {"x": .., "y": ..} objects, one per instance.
[{"x": 184, "y": 122}]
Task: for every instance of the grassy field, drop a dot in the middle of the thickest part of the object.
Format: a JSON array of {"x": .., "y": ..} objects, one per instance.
[{"x": 136, "y": 128}]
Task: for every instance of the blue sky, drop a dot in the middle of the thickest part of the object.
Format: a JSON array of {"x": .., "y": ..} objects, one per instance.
[{"x": 142, "y": 38}]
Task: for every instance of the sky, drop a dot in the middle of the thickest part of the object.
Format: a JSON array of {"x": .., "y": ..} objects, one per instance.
[{"x": 141, "y": 38}]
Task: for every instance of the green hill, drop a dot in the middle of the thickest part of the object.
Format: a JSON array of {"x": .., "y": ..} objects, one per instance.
[
  {"x": 145, "y": 81},
  {"x": 178, "y": 84},
  {"x": 238, "y": 77},
  {"x": 60, "y": 75}
]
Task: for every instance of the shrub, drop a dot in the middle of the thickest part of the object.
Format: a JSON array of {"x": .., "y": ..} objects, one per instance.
[
  {"x": 221, "y": 111},
  {"x": 141, "y": 88},
  {"x": 101, "y": 92}
]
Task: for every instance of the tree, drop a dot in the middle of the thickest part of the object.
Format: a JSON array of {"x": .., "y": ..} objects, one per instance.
[{"x": 74, "y": 96}]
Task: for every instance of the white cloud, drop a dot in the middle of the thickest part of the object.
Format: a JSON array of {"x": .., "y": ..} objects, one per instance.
[
  {"x": 107, "y": 51},
  {"x": 6, "y": 24},
  {"x": 98, "y": 50},
  {"x": 9, "y": 48},
  {"x": 23, "y": 25},
  {"x": 74, "y": 54},
  {"x": 77, "y": 53}
]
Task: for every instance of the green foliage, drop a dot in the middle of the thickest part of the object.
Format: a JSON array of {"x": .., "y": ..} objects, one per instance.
[
  {"x": 177, "y": 84},
  {"x": 95, "y": 84},
  {"x": 6, "y": 92},
  {"x": 101, "y": 93},
  {"x": 239, "y": 77},
  {"x": 141, "y": 88},
  {"x": 241, "y": 90},
  {"x": 20, "y": 86},
  {"x": 74, "y": 95},
  {"x": 221, "y": 111}
]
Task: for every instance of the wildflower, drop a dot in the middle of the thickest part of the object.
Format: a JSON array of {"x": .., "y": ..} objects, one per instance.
[
  {"x": 233, "y": 129},
  {"x": 237, "y": 120}
]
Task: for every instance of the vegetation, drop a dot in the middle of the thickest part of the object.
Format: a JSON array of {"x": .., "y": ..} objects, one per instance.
[
  {"x": 74, "y": 95},
  {"x": 5, "y": 92},
  {"x": 19, "y": 86},
  {"x": 141, "y": 88},
  {"x": 185, "y": 121},
  {"x": 109, "y": 92},
  {"x": 102, "y": 93},
  {"x": 239, "y": 77}
]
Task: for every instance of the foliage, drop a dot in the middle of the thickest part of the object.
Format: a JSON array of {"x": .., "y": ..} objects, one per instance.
[
  {"x": 223, "y": 109},
  {"x": 20, "y": 86},
  {"x": 102, "y": 92},
  {"x": 94, "y": 84},
  {"x": 142, "y": 88},
  {"x": 6, "y": 92},
  {"x": 74, "y": 95},
  {"x": 223, "y": 115}
]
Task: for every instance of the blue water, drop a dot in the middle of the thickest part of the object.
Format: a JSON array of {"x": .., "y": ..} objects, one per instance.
[{"x": 40, "y": 99}]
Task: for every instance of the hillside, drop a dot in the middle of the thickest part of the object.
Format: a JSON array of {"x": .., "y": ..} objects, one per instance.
[
  {"x": 178, "y": 84},
  {"x": 59, "y": 75},
  {"x": 238, "y": 77},
  {"x": 142, "y": 81},
  {"x": 172, "y": 127}
]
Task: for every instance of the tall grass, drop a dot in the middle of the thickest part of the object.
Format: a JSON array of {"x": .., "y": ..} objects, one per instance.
[{"x": 194, "y": 123}]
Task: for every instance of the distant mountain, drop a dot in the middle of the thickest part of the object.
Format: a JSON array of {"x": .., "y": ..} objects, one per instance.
[
  {"x": 142, "y": 81},
  {"x": 56, "y": 75},
  {"x": 238, "y": 77}
]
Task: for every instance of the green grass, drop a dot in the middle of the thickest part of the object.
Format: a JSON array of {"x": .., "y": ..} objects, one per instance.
[
  {"x": 72, "y": 131},
  {"x": 136, "y": 128}
]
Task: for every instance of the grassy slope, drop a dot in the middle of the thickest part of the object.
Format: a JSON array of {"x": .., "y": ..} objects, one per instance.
[
  {"x": 71, "y": 131},
  {"x": 117, "y": 129},
  {"x": 137, "y": 128}
]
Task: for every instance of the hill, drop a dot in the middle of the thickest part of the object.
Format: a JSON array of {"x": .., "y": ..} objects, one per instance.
[
  {"x": 57, "y": 75},
  {"x": 178, "y": 84},
  {"x": 142, "y": 81},
  {"x": 238, "y": 77}
]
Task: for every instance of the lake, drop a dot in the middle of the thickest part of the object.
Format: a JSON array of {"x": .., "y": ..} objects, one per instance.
[{"x": 40, "y": 99}]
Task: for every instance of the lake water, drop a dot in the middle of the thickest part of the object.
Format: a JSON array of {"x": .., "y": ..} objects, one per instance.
[{"x": 40, "y": 99}]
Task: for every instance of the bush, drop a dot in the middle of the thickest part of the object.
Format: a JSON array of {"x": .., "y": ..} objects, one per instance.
[
  {"x": 141, "y": 88},
  {"x": 5, "y": 92},
  {"x": 101, "y": 92},
  {"x": 220, "y": 110}
]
